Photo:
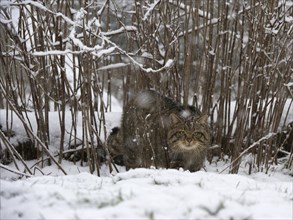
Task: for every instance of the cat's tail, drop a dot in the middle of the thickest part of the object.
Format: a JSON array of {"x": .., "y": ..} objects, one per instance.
[{"x": 115, "y": 147}]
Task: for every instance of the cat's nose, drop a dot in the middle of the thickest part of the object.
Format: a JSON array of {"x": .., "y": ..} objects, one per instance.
[{"x": 189, "y": 139}]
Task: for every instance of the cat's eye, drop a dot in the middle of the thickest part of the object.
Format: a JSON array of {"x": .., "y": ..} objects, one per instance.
[
  {"x": 198, "y": 135},
  {"x": 180, "y": 134}
]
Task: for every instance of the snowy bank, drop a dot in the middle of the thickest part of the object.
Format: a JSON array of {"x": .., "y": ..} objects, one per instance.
[{"x": 147, "y": 194}]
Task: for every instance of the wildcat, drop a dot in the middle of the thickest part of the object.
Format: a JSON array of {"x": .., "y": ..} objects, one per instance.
[{"x": 158, "y": 131}]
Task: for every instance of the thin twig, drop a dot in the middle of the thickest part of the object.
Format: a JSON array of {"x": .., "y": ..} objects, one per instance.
[
  {"x": 14, "y": 152},
  {"x": 14, "y": 171},
  {"x": 30, "y": 131},
  {"x": 268, "y": 136}
]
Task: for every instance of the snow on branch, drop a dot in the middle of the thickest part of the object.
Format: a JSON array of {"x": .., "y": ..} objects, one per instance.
[
  {"x": 54, "y": 53},
  {"x": 28, "y": 2},
  {"x": 167, "y": 65},
  {"x": 151, "y": 8},
  {"x": 120, "y": 30},
  {"x": 99, "y": 13},
  {"x": 39, "y": 6},
  {"x": 103, "y": 47},
  {"x": 113, "y": 66}
]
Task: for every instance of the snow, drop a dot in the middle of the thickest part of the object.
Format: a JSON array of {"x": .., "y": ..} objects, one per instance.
[
  {"x": 287, "y": 114},
  {"x": 20, "y": 134},
  {"x": 140, "y": 193},
  {"x": 52, "y": 52},
  {"x": 289, "y": 84},
  {"x": 113, "y": 66},
  {"x": 169, "y": 63},
  {"x": 150, "y": 9},
  {"x": 147, "y": 194},
  {"x": 119, "y": 31}
]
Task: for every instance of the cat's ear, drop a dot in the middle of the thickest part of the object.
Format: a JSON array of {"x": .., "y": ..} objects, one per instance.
[
  {"x": 203, "y": 119},
  {"x": 174, "y": 119}
]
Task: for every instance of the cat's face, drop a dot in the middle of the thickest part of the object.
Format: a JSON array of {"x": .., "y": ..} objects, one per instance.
[{"x": 188, "y": 134}]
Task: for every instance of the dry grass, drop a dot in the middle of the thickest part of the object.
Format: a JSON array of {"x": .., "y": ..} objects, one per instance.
[{"x": 58, "y": 55}]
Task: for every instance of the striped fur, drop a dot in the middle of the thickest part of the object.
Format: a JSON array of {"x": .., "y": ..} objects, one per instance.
[
  {"x": 157, "y": 131},
  {"x": 188, "y": 139}
]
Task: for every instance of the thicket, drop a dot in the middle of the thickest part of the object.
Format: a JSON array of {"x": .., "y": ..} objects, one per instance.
[{"x": 232, "y": 59}]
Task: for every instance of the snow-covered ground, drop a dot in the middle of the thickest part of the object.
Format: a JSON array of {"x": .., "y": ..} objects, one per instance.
[
  {"x": 140, "y": 193},
  {"x": 149, "y": 194}
]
